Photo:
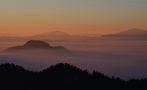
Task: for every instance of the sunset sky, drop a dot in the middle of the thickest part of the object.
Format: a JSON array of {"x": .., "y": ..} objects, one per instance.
[{"x": 27, "y": 17}]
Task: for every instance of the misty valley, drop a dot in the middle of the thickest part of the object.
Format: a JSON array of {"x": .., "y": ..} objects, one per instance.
[
  {"x": 121, "y": 57},
  {"x": 73, "y": 44}
]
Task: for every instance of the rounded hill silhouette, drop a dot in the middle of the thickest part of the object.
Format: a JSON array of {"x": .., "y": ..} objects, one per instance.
[
  {"x": 131, "y": 34},
  {"x": 35, "y": 45}
]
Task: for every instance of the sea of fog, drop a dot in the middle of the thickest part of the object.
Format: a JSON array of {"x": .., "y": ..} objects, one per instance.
[{"x": 125, "y": 59}]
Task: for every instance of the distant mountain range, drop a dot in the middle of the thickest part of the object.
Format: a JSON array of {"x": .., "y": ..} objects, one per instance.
[
  {"x": 55, "y": 35},
  {"x": 131, "y": 34},
  {"x": 60, "y": 36},
  {"x": 36, "y": 45}
]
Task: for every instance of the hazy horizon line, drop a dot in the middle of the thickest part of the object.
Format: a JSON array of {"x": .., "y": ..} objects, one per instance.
[{"x": 69, "y": 33}]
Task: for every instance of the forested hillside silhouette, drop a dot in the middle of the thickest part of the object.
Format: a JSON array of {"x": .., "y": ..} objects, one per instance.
[{"x": 62, "y": 76}]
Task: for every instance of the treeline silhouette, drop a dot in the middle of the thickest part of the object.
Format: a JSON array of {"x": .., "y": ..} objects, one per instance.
[{"x": 62, "y": 77}]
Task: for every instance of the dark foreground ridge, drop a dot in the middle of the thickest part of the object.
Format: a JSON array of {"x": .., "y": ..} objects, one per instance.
[{"x": 62, "y": 77}]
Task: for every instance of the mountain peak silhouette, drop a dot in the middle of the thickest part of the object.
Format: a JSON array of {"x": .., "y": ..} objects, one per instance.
[
  {"x": 134, "y": 31},
  {"x": 36, "y": 45},
  {"x": 60, "y": 33},
  {"x": 131, "y": 34},
  {"x": 54, "y": 35}
]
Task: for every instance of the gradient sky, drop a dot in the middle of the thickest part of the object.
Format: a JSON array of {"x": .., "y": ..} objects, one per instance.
[{"x": 26, "y": 17}]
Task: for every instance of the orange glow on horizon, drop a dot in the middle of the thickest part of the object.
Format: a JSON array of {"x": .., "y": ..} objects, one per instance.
[{"x": 24, "y": 29}]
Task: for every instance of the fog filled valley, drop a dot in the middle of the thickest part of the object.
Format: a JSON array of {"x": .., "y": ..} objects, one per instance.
[
  {"x": 124, "y": 58},
  {"x": 73, "y": 44}
]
